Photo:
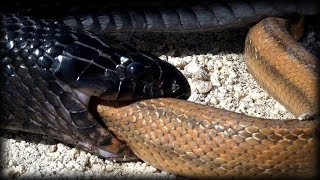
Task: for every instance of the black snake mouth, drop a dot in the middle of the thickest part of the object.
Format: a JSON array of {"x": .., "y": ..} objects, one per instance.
[
  {"x": 91, "y": 102},
  {"x": 82, "y": 97}
]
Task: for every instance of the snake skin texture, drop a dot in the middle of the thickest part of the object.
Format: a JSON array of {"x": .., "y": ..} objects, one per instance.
[
  {"x": 284, "y": 84},
  {"x": 159, "y": 15},
  {"x": 190, "y": 139},
  {"x": 47, "y": 58},
  {"x": 43, "y": 62},
  {"x": 188, "y": 16},
  {"x": 33, "y": 100}
]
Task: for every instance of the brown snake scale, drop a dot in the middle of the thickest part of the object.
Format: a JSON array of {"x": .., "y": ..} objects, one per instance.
[{"x": 190, "y": 139}]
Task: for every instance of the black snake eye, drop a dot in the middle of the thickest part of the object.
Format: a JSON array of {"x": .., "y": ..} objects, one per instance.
[{"x": 135, "y": 70}]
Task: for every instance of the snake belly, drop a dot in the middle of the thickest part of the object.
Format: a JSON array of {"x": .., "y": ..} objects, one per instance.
[{"x": 190, "y": 139}]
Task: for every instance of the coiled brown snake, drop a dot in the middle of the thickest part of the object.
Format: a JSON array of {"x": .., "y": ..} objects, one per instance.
[{"x": 190, "y": 139}]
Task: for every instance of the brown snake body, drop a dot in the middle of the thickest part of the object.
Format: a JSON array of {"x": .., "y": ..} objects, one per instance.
[{"x": 190, "y": 139}]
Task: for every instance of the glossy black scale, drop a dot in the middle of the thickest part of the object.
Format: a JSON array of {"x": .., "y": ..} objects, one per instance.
[{"x": 95, "y": 65}]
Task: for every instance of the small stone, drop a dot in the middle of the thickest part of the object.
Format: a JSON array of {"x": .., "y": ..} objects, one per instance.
[
  {"x": 194, "y": 97},
  {"x": 201, "y": 58},
  {"x": 214, "y": 79},
  {"x": 197, "y": 71},
  {"x": 178, "y": 62},
  {"x": 233, "y": 74},
  {"x": 52, "y": 148},
  {"x": 255, "y": 95},
  {"x": 203, "y": 87},
  {"x": 214, "y": 101},
  {"x": 193, "y": 67}
]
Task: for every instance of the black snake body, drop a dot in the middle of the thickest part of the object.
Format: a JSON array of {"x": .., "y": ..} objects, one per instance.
[
  {"x": 44, "y": 60},
  {"x": 158, "y": 16}
]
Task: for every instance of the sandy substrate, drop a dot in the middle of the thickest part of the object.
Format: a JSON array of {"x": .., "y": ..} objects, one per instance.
[{"x": 214, "y": 66}]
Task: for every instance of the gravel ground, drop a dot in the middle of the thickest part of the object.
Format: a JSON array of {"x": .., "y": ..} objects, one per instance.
[{"x": 214, "y": 66}]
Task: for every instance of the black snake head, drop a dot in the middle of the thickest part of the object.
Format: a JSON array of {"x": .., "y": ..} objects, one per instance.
[
  {"x": 111, "y": 70},
  {"x": 172, "y": 81}
]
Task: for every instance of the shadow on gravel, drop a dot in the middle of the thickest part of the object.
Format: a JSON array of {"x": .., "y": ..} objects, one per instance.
[{"x": 187, "y": 44}]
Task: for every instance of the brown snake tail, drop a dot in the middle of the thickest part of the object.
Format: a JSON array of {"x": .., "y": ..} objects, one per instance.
[{"x": 190, "y": 139}]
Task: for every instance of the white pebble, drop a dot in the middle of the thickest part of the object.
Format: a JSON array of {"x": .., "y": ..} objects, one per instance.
[
  {"x": 196, "y": 71},
  {"x": 203, "y": 87},
  {"x": 178, "y": 62},
  {"x": 201, "y": 58},
  {"x": 214, "y": 78},
  {"x": 256, "y": 95},
  {"x": 193, "y": 67}
]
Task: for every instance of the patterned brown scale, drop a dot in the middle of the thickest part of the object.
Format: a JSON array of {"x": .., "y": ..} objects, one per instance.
[
  {"x": 190, "y": 139},
  {"x": 275, "y": 148},
  {"x": 281, "y": 75}
]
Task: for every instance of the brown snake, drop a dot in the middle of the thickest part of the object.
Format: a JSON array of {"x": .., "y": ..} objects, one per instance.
[{"x": 190, "y": 139}]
